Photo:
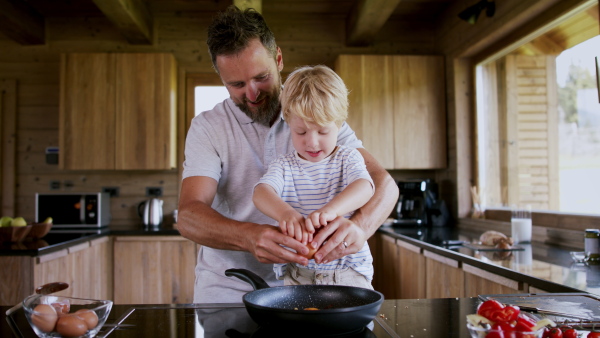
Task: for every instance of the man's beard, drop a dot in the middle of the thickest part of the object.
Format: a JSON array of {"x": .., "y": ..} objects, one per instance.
[{"x": 266, "y": 113}]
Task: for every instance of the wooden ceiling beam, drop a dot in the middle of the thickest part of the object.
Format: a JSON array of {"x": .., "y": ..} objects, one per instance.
[
  {"x": 131, "y": 17},
  {"x": 544, "y": 45},
  {"x": 366, "y": 19},
  {"x": 22, "y": 23}
]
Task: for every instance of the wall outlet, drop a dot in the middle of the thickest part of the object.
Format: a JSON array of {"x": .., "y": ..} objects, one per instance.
[
  {"x": 112, "y": 191},
  {"x": 54, "y": 185},
  {"x": 154, "y": 191}
]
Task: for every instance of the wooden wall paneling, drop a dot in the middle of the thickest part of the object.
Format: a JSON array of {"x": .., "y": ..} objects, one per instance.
[
  {"x": 461, "y": 114},
  {"x": 510, "y": 134},
  {"x": 132, "y": 186},
  {"x": 8, "y": 131}
]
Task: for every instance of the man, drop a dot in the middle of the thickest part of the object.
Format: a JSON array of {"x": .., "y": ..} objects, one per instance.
[{"x": 229, "y": 148}]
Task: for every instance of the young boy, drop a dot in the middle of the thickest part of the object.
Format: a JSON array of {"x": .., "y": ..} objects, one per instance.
[{"x": 319, "y": 181}]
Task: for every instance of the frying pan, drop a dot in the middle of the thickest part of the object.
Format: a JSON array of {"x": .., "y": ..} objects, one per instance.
[{"x": 341, "y": 309}]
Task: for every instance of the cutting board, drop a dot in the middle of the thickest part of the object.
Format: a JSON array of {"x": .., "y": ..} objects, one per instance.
[
  {"x": 481, "y": 247},
  {"x": 583, "y": 305}
]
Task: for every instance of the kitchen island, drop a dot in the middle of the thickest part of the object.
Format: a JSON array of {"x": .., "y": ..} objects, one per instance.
[{"x": 396, "y": 318}]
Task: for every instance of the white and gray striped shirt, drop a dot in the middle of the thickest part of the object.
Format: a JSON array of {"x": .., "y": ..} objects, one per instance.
[{"x": 307, "y": 186}]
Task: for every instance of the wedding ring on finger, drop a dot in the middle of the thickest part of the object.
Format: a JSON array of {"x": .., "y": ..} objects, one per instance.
[{"x": 345, "y": 244}]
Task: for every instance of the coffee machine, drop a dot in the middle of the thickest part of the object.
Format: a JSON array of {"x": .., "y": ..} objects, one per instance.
[{"x": 419, "y": 204}]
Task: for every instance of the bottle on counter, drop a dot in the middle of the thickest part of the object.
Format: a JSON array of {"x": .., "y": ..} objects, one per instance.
[{"x": 592, "y": 244}]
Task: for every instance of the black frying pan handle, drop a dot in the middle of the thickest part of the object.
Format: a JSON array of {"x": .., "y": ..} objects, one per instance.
[{"x": 248, "y": 277}]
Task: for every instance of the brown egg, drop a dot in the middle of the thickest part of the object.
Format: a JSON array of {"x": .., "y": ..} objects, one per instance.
[
  {"x": 89, "y": 317},
  {"x": 62, "y": 308},
  {"x": 44, "y": 317},
  {"x": 71, "y": 326}
]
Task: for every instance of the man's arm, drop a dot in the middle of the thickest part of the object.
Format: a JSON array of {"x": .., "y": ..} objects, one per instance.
[
  {"x": 364, "y": 222},
  {"x": 199, "y": 222}
]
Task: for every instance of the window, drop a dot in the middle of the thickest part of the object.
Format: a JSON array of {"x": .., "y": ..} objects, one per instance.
[
  {"x": 538, "y": 123},
  {"x": 206, "y": 97}
]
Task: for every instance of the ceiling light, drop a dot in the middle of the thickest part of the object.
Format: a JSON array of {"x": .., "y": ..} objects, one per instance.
[{"x": 471, "y": 14}]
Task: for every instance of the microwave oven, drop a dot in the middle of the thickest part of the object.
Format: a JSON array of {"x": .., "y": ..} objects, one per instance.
[{"x": 73, "y": 210}]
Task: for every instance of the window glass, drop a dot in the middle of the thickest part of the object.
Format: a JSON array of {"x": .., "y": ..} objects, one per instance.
[
  {"x": 579, "y": 128},
  {"x": 538, "y": 130},
  {"x": 206, "y": 97}
]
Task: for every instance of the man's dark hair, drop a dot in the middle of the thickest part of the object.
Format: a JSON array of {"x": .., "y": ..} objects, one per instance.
[{"x": 231, "y": 31}]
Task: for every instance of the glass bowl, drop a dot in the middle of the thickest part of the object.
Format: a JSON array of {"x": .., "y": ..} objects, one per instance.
[
  {"x": 479, "y": 332},
  {"x": 41, "y": 313}
]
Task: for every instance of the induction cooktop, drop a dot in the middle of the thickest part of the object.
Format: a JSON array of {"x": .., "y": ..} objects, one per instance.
[{"x": 218, "y": 320}]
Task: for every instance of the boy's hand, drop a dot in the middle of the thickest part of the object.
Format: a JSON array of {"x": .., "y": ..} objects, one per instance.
[
  {"x": 292, "y": 224},
  {"x": 318, "y": 219}
]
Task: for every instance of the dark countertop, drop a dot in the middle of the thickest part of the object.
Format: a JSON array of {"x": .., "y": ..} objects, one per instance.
[
  {"x": 547, "y": 267},
  {"x": 58, "y": 239},
  {"x": 396, "y": 318},
  {"x": 441, "y": 317}
]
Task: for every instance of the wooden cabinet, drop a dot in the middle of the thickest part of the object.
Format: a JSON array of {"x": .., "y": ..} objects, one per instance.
[
  {"x": 397, "y": 107},
  {"x": 390, "y": 268},
  {"x": 445, "y": 278},
  {"x": 481, "y": 282},
  {"x": 154, "y": 269},
  {"x": 412, "y": 271},
  {"x": 117, "y": 111},
  {"x": 86, "y": 267}
]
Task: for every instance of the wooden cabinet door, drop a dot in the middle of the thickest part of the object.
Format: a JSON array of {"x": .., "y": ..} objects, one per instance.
[
  {"x": 420, "y": 112},
  {"x": 86, "y": 267},
  {"x": 375, "y": 247},
  {"x": 371, "y": 112},
  {"x": 398, "y": 108},
  {"x": 390, "y": 274},
  {"x": 445, "y": 278},
  {"x": 154, "y": 270},
  {"x": 146, "y": 123},
  {"x": 481, "y": 282},
  {"x": 412, "y": 271},
  {"x": 87, "y": 111}
]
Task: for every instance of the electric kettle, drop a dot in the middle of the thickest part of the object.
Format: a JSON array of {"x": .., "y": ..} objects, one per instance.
[{"x": 151, "y": 212}]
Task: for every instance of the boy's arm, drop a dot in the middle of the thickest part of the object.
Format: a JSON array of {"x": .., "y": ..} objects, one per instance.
[
  {"x": 291, "y": 222},
  {"x": 354, "y": 196}
]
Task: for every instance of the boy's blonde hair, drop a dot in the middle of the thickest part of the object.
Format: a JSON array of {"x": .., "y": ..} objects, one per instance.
[{"x": 315, "y": 94}]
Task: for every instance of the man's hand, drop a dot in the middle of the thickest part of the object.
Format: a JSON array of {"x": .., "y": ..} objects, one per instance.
[
  {"x": 265, "y": 245},
  {"x": 343, "y": 237}
]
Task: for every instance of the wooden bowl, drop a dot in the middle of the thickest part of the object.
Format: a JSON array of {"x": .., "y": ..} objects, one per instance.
[
  {"x": 39, "y": 230},
  {"x": 14, "y": 234}
]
